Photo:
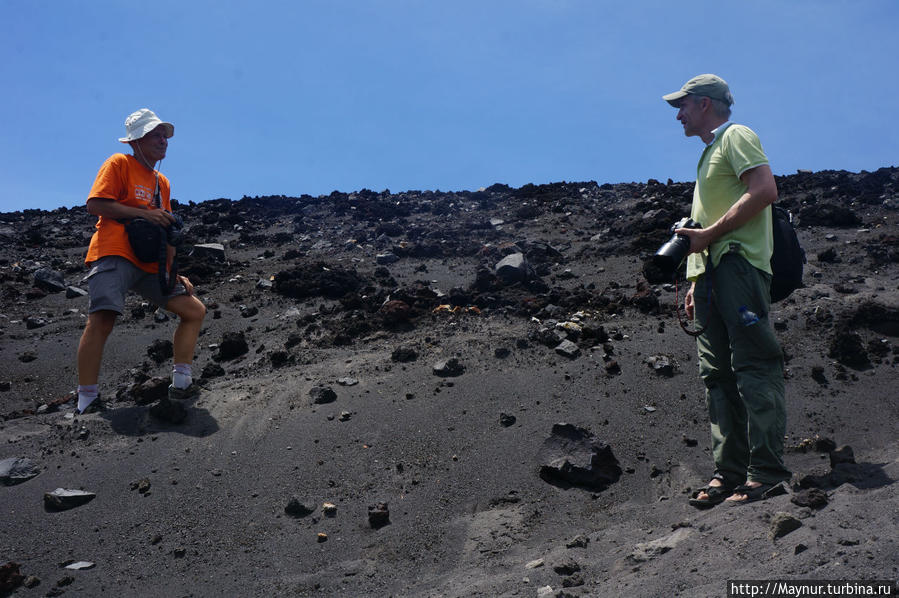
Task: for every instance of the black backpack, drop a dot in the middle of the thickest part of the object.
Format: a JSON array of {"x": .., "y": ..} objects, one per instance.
[{"x": 788, "y": 258}]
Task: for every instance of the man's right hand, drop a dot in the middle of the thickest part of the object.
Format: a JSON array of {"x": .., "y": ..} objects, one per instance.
[
  {"x": 688, "y": 301},
  {"x": 157, "y": 216},
  {"x": 110, "y": 208}
]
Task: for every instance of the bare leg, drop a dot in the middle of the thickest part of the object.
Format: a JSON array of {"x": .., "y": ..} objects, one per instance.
[
  {"x": 190, "y": 312},
  {"x": 90, "y": 348}
]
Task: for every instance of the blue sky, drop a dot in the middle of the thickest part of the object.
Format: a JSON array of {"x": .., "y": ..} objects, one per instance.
[{"x": 279, "y": 97}]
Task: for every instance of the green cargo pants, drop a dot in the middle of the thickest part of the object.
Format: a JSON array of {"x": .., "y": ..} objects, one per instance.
[{"x": 742, "y": 369}]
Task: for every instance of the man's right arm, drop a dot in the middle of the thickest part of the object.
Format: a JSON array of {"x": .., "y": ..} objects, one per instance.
[{"x": 110, "y": 208}]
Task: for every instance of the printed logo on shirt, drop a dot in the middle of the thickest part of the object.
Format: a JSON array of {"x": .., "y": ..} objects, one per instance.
[{"x": 144, "y": 194}]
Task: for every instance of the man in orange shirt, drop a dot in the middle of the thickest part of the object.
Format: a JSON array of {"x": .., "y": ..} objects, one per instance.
[{"x": 128, "y": 187}]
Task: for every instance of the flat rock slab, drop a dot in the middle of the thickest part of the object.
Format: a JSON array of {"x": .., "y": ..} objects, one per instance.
[
  {"x": 16, "y": 470},
  {"x": 63, "y": 499}
]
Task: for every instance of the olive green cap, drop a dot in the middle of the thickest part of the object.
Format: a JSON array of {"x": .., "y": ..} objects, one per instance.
[{"x": 711, "y": 86}]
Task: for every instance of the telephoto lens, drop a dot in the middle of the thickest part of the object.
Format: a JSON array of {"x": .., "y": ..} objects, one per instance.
[{"x": 663, "y": 266}]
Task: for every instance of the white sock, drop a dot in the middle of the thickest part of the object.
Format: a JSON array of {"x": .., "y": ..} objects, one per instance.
[
  {"x": 87, "y": 394},
  {"x": 181, "y": 377}
]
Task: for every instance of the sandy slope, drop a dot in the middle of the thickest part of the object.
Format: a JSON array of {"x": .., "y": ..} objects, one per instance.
[{"x": 469, "y": 516}]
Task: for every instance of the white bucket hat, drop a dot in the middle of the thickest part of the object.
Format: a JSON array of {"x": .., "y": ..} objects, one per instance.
[{"x": 142, "y": 122}]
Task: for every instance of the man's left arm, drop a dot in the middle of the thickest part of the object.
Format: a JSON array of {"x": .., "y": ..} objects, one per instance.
[{"x": 761, "y": 192}]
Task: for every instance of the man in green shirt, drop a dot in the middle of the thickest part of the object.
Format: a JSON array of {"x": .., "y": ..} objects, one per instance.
[{"x": 740, "y": 361}]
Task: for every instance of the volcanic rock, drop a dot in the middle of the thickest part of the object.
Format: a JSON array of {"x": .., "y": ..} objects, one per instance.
[
  {"x": 378, "y": 515},
  {"x": 573, "y": 456},
  {"x": 161, "y": 350},
  {"x": 810, "y": 497},
  {"x": 648, "y": 550},
  {"x": 568, "y": 349},
  {"x": 213, "y": 251},
  {"x": 513, "y": 268},
  {"x": 783, "y": 524},
  {"x": 233, "y": 345},
  {"x": 322, "y": 394},
  {"x": 15, "y": 470},
  {"x": 844, "y": 454},
  {"x": 49, "y": 280},
  {"x": 63, "y": 499},
  {"x": 150, "y": 390},
  {"x": 75, "y": 292},
  {"x": 10, "y": 577},
  {"x": 449, "y": 367}
]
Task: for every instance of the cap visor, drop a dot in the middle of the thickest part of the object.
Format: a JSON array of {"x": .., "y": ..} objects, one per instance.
[{"x": 672, "y": 98}]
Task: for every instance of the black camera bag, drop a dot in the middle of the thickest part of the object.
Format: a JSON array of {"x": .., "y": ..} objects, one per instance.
[
  {"x": 149, "y": 241},
  {"x": 145, "y": 238}
]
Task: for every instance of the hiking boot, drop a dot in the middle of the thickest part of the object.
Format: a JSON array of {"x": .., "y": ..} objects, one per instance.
[
  {"x": 180, "y": 394},
  {"x": 95, "y": 406},
  {"x": 169, "y": 411}
]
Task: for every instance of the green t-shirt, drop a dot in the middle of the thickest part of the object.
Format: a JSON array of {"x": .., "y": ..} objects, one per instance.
[{"x": 718, "y": 186}]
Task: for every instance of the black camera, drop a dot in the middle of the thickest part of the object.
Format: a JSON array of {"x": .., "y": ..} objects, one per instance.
[
  {"x": 174, "y": 233},
  {"x": 662, "y": 266}
]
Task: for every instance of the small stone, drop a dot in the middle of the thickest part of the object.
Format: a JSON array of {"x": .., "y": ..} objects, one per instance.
[
  {"x": 568, "y": 349},
  {"x": 578, "y": 542},
  {"x": 404, "y": 354},
  {"x": 378, "y": 515},
  {"x": 322, "y": 394},
  {"x": 75, "y": 292},
  {"x": 783, "y": 524},
  {"x": 321, "y": 537},
  {"x": 813, "y": 498},
  {"x": 17, "y": 470},
  {"x": 49, "y": 280},
  {"x": 142, "y": 486},
  {"x": 81, "y": 565},
  {"x": 844, "y": 454},
  {"x": 347, "y": 381},
  {"x": 506, "y": 420},
  {"x": 534, "y": 564},
  {"x": 662, "y": 365},
  {"x": 329, "y": 509},
  {"x": 216, "y": 251},
  {"x": 386, "y": 258},
  {"x": 448, "y": 367},
  {"x": 62, "y": 499},
  {"x": 10, "y": 578}
]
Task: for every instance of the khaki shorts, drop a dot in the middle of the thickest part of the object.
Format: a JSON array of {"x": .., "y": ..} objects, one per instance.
[{"x": 111, "y": 277}]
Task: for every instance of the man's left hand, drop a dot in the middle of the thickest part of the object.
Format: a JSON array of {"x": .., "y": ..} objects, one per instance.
[{"x": 187, "y": 284}]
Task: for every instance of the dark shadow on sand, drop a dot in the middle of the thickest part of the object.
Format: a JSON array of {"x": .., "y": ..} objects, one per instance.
[{"x": 137, "y": 421}]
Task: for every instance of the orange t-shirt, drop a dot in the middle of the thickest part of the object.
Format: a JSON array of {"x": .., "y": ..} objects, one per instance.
[{"x": 125, "y": 180}]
